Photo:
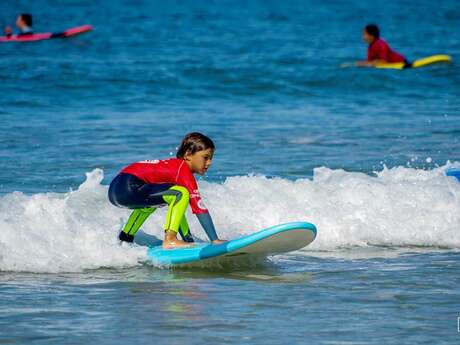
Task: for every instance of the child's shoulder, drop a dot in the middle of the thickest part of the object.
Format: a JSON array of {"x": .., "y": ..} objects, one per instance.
[{"x": 169, "y": 161}]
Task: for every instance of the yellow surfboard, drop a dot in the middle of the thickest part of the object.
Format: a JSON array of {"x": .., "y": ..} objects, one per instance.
[{"x": 417, "y": 63}]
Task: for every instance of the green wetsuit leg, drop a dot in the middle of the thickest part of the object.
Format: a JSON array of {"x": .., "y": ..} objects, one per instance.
[
  {"x": 177, "y": 197},
  {"x": 136, "y": 219},
  {"x": 184, "y": 230}
]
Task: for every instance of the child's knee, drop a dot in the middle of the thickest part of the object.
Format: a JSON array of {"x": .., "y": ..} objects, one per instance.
[{"x": 182, "y": 195}]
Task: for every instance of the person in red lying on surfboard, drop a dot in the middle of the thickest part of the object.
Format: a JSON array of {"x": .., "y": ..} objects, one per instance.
[
  {"x": 24, "y": 24},
  {"x": 144, "y": 186},
  {"x": 379, "y": 51}
]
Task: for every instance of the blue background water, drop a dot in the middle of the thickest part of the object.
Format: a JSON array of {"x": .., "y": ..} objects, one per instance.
[{"x": 262, "y": 78}]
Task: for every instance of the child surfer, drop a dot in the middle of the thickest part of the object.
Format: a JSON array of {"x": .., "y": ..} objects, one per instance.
[
  {"x": 147, "y": 185},
  {"x": 379, "y": 51},
  {"x": 24, "y": 24}
]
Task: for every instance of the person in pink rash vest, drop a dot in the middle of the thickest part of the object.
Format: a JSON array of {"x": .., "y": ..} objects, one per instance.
[
  {"x": 144, "y": 186},
  {"x": 379, "y": 51}
]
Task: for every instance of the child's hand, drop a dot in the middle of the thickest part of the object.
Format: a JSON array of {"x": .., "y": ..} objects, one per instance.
[
  {"x": 8, "y": 30},
  {"x": 363, "y": 63},
  {"x": 219, "y": 241},
  {"x": 347, "y": 64}
]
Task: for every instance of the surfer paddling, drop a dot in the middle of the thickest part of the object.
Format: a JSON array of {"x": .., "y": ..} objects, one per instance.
[
  {"x": 145, "y": 186},
  {"x": 378, "y": 50},
  {"x": 24, "y": 24}
]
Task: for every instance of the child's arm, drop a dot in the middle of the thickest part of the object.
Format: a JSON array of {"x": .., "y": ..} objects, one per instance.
[
  {"x": 208, "y": 225},
  {"x": 369, "y": 63},
  {"x": 364, "y": 63},
  {"x": 187, "y": 180}
]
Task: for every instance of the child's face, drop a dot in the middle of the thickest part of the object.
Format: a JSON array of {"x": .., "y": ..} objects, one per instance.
[
  {"x": 368, "y": 38},
  {"x": 200, "y": 161},
  {"x": 19, "y": 22}
]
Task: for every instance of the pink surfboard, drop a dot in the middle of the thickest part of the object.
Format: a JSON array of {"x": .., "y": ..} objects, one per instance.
[{"x": 46, "y": 35}]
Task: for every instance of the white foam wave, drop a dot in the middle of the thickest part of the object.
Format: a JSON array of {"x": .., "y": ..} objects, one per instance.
[
  {"x": 77, "y": 230},
  {"x": 397, "y": 207},
  {"x": 62, "y": 232}
]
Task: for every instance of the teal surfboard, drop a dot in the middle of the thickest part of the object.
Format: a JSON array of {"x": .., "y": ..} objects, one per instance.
[{"x": 278, "y": 239}]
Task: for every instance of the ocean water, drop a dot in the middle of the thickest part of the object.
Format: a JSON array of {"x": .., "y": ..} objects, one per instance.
[{"x": 361, "y": 153}]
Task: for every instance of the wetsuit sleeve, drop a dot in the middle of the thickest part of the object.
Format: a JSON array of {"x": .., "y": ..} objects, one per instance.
[
  {"x": 185, "y": 178},
  {"x": 208, "y": 226}
]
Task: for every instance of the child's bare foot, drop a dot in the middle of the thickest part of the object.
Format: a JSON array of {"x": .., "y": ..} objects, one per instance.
[
  {"x": 219, "y": 241},
  {"x": 171, "y": 242}
]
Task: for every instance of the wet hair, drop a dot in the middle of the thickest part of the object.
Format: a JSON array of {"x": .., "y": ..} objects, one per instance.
[
  {"x": 27, "y": 18},
  {"x": 373, "y": 30},
  {"x": 194, "y": 142}
]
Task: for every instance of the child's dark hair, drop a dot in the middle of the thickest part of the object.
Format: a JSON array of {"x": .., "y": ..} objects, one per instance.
[
  {"x": 194, "y": 142},
  {"x": 373, "y": 30},
  {"x": 27, "y": 18}
]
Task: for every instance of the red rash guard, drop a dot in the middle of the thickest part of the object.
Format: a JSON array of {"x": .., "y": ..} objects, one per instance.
[
  {"x": 174, "y": 171},
  {"x": 380, "y": 50}
]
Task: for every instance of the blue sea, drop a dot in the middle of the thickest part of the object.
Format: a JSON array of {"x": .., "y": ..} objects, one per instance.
[{"x": 361, "y": 153}]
